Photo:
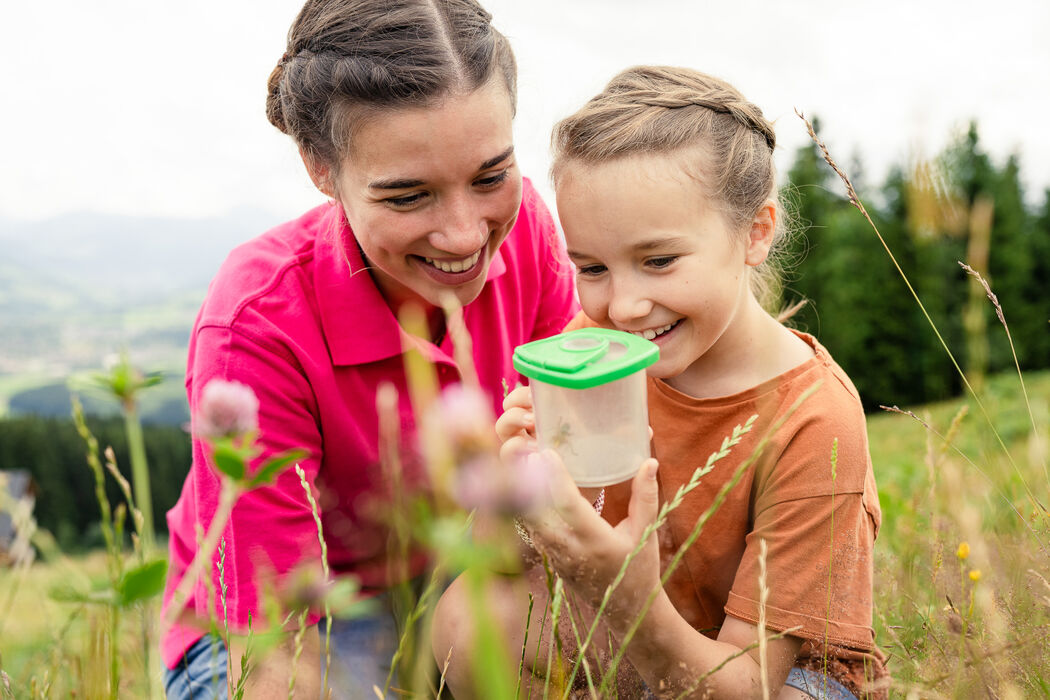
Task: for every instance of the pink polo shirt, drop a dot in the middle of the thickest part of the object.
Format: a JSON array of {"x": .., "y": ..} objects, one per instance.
[{"x": 285, "y": 316}]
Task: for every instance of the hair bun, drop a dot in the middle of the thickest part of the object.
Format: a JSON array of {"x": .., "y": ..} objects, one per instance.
[{"x": 273, "y": 97}]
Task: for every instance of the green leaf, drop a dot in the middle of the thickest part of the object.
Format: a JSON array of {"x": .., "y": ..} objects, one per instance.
[
  {"x": 268, "y": 471},
  {"x": 142, "y": 582},
  {"x": 67, "y": 593},
  {"x": 151, "y": 379},
  {"x": 228, "y": 461}
]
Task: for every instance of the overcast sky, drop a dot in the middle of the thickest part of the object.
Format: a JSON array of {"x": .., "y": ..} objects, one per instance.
[{"x": 149, "y": 108}]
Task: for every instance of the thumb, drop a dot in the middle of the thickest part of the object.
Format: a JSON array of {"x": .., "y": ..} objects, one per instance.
[{"x": 645, "y": 498}]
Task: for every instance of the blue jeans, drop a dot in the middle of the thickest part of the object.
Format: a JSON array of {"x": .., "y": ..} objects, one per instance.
[
  {"x": 817, "y": 685},
  {"x": 813, "y": 683},
  {"x": 361, "y": 649}
]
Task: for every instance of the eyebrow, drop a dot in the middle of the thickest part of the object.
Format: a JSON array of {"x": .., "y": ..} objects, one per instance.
[
  {"x": 498, "y": 159},
  {"x": 653, "y": 244},
  {"x": 405, "y": 183}
]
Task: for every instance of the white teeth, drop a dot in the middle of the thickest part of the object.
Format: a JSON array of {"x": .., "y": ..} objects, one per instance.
[
  {"x": 455, "y": 265},
  {"x": 654, "y": 332}
]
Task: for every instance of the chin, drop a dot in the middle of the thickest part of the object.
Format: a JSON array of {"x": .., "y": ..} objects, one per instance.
[
  {"x": 464, "y": 294},
  {"x": 469, "y": 293}
]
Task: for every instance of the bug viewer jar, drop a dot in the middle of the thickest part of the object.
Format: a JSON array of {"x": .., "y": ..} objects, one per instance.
[{"x": 589, "y": 399}]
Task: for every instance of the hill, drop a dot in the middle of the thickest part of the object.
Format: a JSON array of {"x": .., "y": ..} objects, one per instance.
[{"x": 76, "y": 288}]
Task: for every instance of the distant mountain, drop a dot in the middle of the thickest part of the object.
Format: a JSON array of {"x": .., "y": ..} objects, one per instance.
[
  {"x": 112, "y": 257},
  {"x": 78, "y": 287}
]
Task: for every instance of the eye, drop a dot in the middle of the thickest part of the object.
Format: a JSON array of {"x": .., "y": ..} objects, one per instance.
[
  {"x": 589, "y": 270},
  {"x": 661, "y": 262},
  {"x": 406, "y": 201},
  {"x": 493, "y": 181}
]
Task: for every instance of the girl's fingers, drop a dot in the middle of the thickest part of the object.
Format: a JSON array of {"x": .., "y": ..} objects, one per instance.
[
  {"x": 513, "y": 448},
  {"x": 645, "y": 498},
  {"x": 515, "y": 421},
  {"x": 521, "y": 397}
]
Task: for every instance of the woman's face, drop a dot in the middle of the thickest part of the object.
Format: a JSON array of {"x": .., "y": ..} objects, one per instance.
[{"x": 430, "y": 194}]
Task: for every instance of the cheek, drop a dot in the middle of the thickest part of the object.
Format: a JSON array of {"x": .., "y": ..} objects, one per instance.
[
  {"x": 384, "y": 232},
  {"x": 506, "y": 204},
  {"x": 593, "y": 300}
]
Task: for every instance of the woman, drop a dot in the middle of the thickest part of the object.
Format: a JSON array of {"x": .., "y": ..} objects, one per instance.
[{"x": 402, "y": 113}]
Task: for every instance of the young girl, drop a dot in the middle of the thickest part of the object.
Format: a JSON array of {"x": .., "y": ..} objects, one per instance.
[{"x": 666, "y": 192}]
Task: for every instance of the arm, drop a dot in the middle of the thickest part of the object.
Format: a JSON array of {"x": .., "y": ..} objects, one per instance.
[
  {"x": 665, "y": 650},
  {"x": 271, "y": 529},
  {"x": 270, "y": 674}
]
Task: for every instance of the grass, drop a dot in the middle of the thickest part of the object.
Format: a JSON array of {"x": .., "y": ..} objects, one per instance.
[
  {"x": 898, "y": 446},
  {"x": 946, "y": 632},
  {"x": 46, "y": 639},
  {"x": 923, "y": 590}
]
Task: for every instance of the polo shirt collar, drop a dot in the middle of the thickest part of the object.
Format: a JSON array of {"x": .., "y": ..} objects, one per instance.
[{"x": 358, "y": 325}]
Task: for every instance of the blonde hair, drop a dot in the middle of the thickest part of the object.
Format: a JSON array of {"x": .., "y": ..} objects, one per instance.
[{"x": 666, "y": 110}]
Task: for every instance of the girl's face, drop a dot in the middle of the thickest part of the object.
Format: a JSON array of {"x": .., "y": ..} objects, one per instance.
[
  {"x": 655, "y": 258},
  {"x": 430, "y": 194}
]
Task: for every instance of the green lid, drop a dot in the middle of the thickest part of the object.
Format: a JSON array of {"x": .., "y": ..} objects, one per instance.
[{"x": 585, "y": 358}]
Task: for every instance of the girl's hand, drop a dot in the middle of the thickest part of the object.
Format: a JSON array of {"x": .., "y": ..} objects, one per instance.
[
  {"x": 588, "y": 553},
  {"x": 516, "y": 428}
]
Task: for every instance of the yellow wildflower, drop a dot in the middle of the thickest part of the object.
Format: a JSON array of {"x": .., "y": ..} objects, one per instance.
[
  {"x": 975, "y": 575},
  {"x": 963, "y": 552}
]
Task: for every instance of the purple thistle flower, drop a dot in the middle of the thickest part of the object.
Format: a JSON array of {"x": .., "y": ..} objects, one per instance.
[
  {"x": 477, "y": 485},
  {"x": 466, "y": 419},
  {"x": 530, "y": 487},
  {"x": 510, "y": 489},
  {"x": 226, "y": 409}
]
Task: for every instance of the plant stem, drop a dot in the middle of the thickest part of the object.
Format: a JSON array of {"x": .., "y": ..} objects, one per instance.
[
  {"x": 139, "y": 474},
  {"x": 227, "y": 498},
  {"x": 300, "y": 632},
  {"x": 327, "y": 577},
  {"x": 114, "y": 656}
]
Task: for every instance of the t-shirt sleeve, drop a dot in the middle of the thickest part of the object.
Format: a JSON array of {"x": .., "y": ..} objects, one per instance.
[
  {"x": 558, "y": 302},
  {"x": 819, "y": 524},
  {"x": 272, "y": 529},
  {"x": 813, "y": 582}
]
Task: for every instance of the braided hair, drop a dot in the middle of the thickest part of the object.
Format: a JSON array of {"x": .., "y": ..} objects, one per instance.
[
  {"x": 667, "y": 110},
  {"x": 348, "y": 58}
]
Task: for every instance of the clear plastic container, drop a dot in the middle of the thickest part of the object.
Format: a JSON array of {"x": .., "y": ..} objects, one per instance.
[{"x": 589, "y": 399}]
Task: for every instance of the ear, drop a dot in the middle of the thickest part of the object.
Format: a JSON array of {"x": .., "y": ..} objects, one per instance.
[
  {"x": 320, "y": 174},
  {"x": 760, "y": 237}
]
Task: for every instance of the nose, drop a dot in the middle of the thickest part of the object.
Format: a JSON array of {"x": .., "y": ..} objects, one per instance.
[
  {"x": 461, "y": 228},
  {"x": 628, "y": 302}
]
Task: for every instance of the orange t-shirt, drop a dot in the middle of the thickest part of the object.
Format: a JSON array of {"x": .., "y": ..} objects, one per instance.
[{"x": 790, "y": 497}]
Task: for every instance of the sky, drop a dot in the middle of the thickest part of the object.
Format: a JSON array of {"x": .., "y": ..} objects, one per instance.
[{"x": 154, "y": 108}]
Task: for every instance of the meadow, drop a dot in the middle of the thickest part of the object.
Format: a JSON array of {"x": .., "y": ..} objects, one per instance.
[{"x": 948, "y": 632}]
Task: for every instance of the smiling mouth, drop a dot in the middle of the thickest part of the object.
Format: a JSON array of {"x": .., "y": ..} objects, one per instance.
[
  {"x": 653, "y": 333},
  {"x": 453, "y": 266}
]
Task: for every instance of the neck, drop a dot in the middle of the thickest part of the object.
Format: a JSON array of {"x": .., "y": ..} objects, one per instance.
[{"x": 754, "y": 349}]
